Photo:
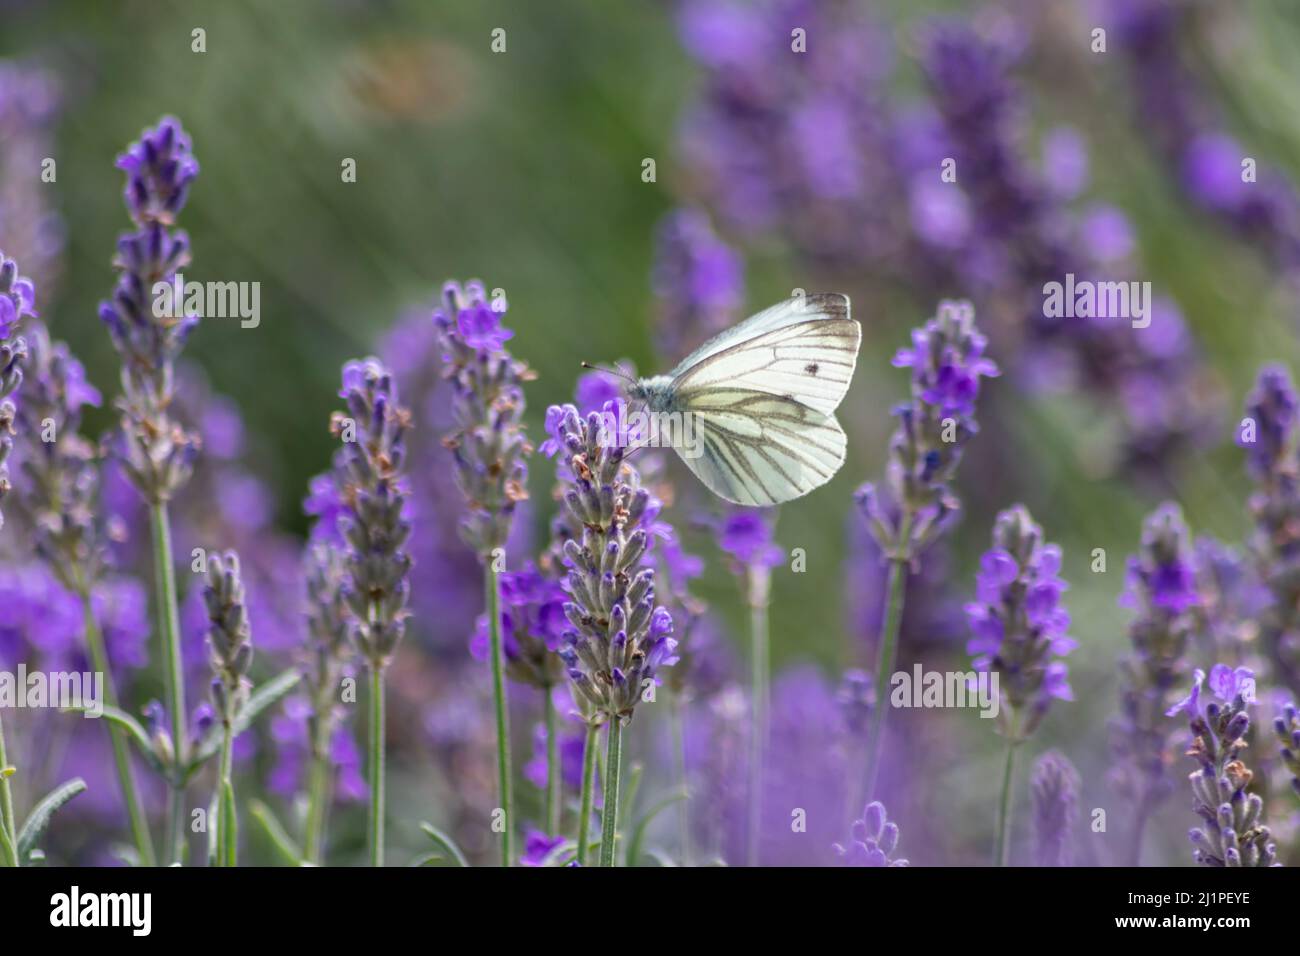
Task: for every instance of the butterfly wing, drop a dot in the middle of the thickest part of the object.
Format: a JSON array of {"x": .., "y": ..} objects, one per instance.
[
  {"x": 804, "y": 349},
  {"x": 757, "y": 449}
]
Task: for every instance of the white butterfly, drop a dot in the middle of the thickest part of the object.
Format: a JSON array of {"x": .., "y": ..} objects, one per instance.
[{"x": 762, "y": 396}]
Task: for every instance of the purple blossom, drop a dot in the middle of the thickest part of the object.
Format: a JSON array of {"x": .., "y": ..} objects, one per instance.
[
  {"x": 747, "y": 535},
  {"x": 538, "y": 848},
  {"x": 874, "y": 840},
  {"x": 1233, "y": 833},
  {"x": 533, "y": 623},
  {"x": 1055, "y": 788},
  {"x": 1018, "y": 625}
]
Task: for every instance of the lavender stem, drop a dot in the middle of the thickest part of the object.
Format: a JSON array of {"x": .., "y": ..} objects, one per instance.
[
  {"x": 228, "y": 841},
  {"x": 173, "y": 675},
  {"x": 7, "y": 806},
  {"x": 553, "y": 790},
  {"x": 121, "y": 753},
  {"x": 613, "y": 771},
  {"x": 318, "y": 796},
  {"x": 588, "y": 786},
  {"x": 1002, "y": 847},
  {"x": 760, "y": 664},
  {"x": 376, "y": 765},
  {"x": 493, "y": 605},
  {"x": 886, "y": 654}
]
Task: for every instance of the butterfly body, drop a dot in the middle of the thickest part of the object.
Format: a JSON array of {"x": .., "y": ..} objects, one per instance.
[{"x": 761, "y": 397}]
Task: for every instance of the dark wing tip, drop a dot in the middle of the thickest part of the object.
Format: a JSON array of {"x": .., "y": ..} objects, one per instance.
[{"x": 834, "y": 304}]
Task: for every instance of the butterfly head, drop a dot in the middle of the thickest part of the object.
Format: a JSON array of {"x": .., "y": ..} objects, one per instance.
[{"x": 656, "y": 392}]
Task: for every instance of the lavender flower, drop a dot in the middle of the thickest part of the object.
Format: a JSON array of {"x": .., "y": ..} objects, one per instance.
[
  {"x": 1287, "y": 727},
  {"x": 1055, "y": 785},
  {"x": 532, "y": 626},
  {"x": 874, "y": 840},
  {"x": 1269, "y": 435},
  {"x": 1162, "y": 589},
  {"x": 1018, "y": 625},
  {"x": 17, "y": 300},
  {"x": 619, "y": 637},
  {"x": 369, "y": 476},
  {"x": 156, "y": 451},
  {"x": 488, "y": 446},
  {"x": 230, "y": 647},
  {"x": 1234, "y": 833},
  {"x": 947, "y": 361}
]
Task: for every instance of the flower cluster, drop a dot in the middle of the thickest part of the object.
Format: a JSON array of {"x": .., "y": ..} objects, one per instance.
[
  {"x": 619, "y": 637},
  {"x": 17, "y": 300},
  {"x": 1055, "y": 787},
  {"x": 156, "y": 451},
  {"x": 533, "y": 623},
  {"x": 1162, "y": 590},
  {"x": 230, "y": 644},
  {"x": 488, "y": 443},
  {"x": 61, "y": 467},
  {"x": 1287, "y": 727},
  {"x": 947, "y": 361},
  {"x": 874, "y": 840},
  {"x": 1234, "y": 833},
  {"x": 372, "y": 491},
  {"x": 328, "y": 652},
  {"x": 1018, "y": 623},
  {"x": 1269, "y": 435}
]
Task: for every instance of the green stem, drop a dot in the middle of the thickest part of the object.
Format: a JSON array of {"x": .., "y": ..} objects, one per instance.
[
  {"x": 885, "y": 658},
  {"x": 1002, "y": 848},
  {"x": 553, "y": 784},
  {"x": 493, "y": 606},
  {"x": 588, "y": 787},
  {"x": 679, "y": 761},
  {"x": 376, "y": 764},
  {"x": 227, "y": 834},
  {"x": 760, "y": 673},
  {"x": 7, "y": 806},
  {"x": 613, "y": 768},
  {"x": 117, "y": 736},
  {"x": 173, "y": 675},
  {"x": 318, "y": 798}
]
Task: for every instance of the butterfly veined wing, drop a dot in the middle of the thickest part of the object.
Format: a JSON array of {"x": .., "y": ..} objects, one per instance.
[
  {"x": 804, "y": 349},
  {"x": 757, "y": 449}
]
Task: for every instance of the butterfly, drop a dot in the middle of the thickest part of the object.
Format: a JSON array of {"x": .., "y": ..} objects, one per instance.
[{"x": 761, "y": 397}]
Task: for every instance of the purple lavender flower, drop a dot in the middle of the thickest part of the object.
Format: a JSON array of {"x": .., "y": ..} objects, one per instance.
[
  {"x": 698, "y": 281},
  {"x": 17, "y": 299},
  {"x": 369, "y": 473},
  {"x": 619, "y": 637},
  {"x": 156, "y": 451},
  {"x": 1161, "y": 588},
  {"x": 539, "y": 848},
  {"x": 748, "y": 536},
  {"x": 1232, "y": 598},
  {"x": 874, "y": 840},
  {"x": 1018, "y": 624},
  {"x": 230, "y": 646},
  {"x": 533, "y": 623},
  {"x": 1269, "y": 435},
  {"x": 488, "y": 446},
  {"x": 1055, "y": 785},
  {"x": 1234, "y": 833},
  {"x": 947, "y": 361},
  {"x": 1287, "y": 727}
]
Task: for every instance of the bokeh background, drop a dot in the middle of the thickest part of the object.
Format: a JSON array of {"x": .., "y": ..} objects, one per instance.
[{"x": 821, "y": 171}]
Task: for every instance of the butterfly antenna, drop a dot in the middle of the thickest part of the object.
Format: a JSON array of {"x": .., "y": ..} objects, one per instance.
[{"x": 619, "y": 373}]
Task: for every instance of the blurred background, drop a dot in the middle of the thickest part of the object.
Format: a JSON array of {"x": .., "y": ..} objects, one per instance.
[{"x": 773, "y": 170}]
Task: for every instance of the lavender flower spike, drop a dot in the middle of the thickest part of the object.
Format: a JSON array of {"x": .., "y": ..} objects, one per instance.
[
  {"x": 1018, "y": 624},
  {"x": 1287, "y": 728},
  {"x": 1234, "y": 833},
  {"x": 17, "y": 300},
  {"x": 1055, "y": 785},
  {"x": 1162, "y": 589},
  {"x": 947, "y": 362},
  {"x": 230, "y": 653},
  {"x": 620, "y": 637},
  {"x": 1269, "y": 434},
  {"x": 373, "y": 490},
  {"x": 875, "y": 838}
]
